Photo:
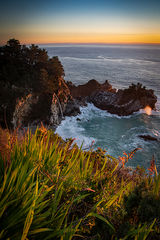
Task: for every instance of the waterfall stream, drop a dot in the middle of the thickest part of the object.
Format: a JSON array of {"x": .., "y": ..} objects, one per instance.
[{"x": 60, "y": 107}]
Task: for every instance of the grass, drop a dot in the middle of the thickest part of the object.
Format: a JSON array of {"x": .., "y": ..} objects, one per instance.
[{"x": 51, "y": 189}]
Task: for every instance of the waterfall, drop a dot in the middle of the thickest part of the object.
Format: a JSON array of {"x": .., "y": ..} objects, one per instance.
[{"x": 60, "y": 107}]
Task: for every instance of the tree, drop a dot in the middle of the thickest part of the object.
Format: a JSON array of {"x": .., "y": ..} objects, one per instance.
[{"x": 29, "y": 67}]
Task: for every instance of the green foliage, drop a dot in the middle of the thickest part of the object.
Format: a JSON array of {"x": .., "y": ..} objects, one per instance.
[
  {"x": 141, "y": 232},
  {"x": 28, "y": 67},
  {"x": 51, "y": 189},
  {"x": 144, "y": 204},
  {"x": 135, "y": 91}
]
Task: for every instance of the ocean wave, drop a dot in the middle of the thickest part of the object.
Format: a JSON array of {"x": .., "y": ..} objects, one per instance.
[
  {"x": 156, "y": 133},
  {"x": 78, "y": 59},
  {"x": 69, "y": 128},
  {"x": 101, "y": 58},
  {"x": 91, "y": 111},
  {"x": 128, "y": 60},
  {"x": 131, "y": 139}
]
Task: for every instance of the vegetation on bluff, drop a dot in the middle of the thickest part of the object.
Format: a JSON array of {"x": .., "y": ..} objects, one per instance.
[
  {"x": 51, "y": 189},
  {"x": 25, "y": 70},
  {"x": 28, "y": 67}
]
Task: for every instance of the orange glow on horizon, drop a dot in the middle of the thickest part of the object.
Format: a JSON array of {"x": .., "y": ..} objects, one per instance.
[{"x": 66, "y": 38}]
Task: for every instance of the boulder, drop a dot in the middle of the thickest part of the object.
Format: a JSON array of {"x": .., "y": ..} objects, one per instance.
[{"x": 72, "y": 108}]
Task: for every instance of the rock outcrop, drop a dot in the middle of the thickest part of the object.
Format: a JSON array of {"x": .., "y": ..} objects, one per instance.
[
  {"x": 148, "y": 138},
  {"x": 123, "y": 102},
  {"x": 89, "y": 88}
]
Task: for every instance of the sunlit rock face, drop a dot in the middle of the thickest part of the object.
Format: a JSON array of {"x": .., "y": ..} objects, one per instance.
[
  {"x": 35, "y": 109},
  {"x": 56, "y": 109},
  {"x": 23, "y": 108}
]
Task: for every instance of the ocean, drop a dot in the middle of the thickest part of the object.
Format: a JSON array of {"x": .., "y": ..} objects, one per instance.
[{"x": 121, "y": 65}]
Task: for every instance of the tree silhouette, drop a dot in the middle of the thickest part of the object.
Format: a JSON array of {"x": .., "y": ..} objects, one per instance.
[{"x": 28, "y": 67}]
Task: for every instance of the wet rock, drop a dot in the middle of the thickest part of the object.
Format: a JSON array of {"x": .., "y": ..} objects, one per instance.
[
  {"x": 148, "y": 138},
  {"x": 72, "y": 108}
]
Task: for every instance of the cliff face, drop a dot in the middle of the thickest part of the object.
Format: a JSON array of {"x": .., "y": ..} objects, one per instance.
[
  {"x": 9, "y": 98},
  {"x": 23, "y": 108},
  {"x": 45, "y": 107}
]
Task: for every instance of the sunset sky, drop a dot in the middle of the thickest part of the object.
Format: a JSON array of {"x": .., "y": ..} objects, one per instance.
[{"x": 80, "y": 21}]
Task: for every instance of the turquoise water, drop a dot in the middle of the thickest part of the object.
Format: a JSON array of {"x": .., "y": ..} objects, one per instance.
[
  {"x": 115, "y": 134},
  {"x": 121, "y": 65}
]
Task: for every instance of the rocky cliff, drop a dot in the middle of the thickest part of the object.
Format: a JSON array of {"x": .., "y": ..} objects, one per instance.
[
  {"x": 121, "y": 102},
  {"x": 47, "y": 108}
]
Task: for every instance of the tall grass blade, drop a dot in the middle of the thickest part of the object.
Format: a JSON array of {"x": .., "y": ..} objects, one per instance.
[{"x": 30, "y": 215}]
